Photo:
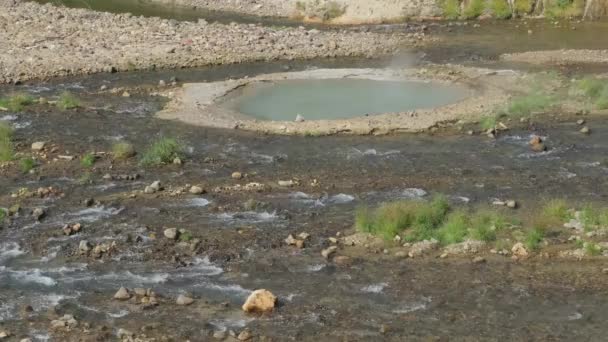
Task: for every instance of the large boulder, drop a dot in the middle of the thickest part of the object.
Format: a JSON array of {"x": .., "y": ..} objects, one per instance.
[{"x": 260, "y": 301}]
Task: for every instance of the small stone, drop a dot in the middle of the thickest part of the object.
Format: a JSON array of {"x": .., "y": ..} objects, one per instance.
[
  {"x": 519, "y": 250},
  {"x": 237, "y": 175},
  {"x": 299, "y": 118},
  {"x": 103, "y": 87},
  {"x": 84, "y": 246},
  {"x": 126, "y": 94},
  {"x": 343, "y": 261},
  {"x": 287, "y": 183},
  {"x": 245, "y": 335},
  {"x": 139, "y": 291},
  {"x": 122, "y": 294},
  {"x": 328, "y": 252},
  {"x": 124, "y": 334},
  {"x": 304, "y": 236},
  {"x": 511, "y": 204},
  {"x": 38, "y": 213},
  {"x": 4, "y": 334},
  {"x": 479, "y": 260},
  {"x": 585, "y": 130},
  {"x": 401, "y": 254},
  {"x": 219, "y": 335},
  {"x": 260, "y": 301},
  {"x": 580, "y": 122},
  {"x": 170, "y": 233},
  {"x": 184, "y": 300},
  {"x": 162, "y": 83},
  {"x": 333, "y": 240},
  {"x": 196, "y": 190},
  {"x": 38, "y": 146},
  {"x": 177, "y": 161}
]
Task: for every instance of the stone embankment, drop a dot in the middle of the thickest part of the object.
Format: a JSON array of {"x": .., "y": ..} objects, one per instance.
[{"x": 40, "y": 41}]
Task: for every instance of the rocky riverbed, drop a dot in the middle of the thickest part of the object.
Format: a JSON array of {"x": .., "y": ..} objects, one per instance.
[{"x": 42, "y": 41}]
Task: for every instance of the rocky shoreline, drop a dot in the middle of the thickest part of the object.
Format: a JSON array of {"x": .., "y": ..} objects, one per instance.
[
  {"x": 41, "y": 41},
  {"x": 563, "y": 57}
]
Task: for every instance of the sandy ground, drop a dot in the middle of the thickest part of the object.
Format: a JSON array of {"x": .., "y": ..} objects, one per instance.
[
  {"x": 45, "y": 41},
  {"x": 559, "y": 57}
]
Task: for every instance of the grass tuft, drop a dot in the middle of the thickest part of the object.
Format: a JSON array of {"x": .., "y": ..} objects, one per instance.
[
  {"x": 454, "y": 229},
  {"x": 27, "y": 164},
  {"x": 450, "y": 9},
  {"x": 500, "y": 9},
  {"x": 67, "y": 101},
  {"x": 485, "y": 224},
  {"x": 2, "y": 215},
  {"x": 163, "y": 151},
  {"x": 527, "y": 104},
  {"x": 17, "y": 102},
  {"x": 123, "y": 150},
  {"x": 6, "y": 144},
  {"x": 594, "y": 218},
  {"x": 474, "y": 9},
  {"x": 88, "y": 160},
  {"x": 533, "y": 238}
]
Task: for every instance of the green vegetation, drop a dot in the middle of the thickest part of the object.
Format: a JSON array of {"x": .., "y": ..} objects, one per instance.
[
  {"x": 527, "y": 104},
  {"x": 533, "y": 238},
  {"x": 6, "y": 144},
  {"x": 27, "y": 164},
  {"x": 522, "y": 6},
  {"x": 592, "y": 90},
  {"x": 485, "y": 224},
  {"x": 301, "y": 6},
  {"x": 88, "y": 160},
  {"x": 488, "y": 122},
  {"x": 564, "y": 8},
  {"x": 123, "y": 150},
  {"x": 17, "y": 102},
  {"x": 454, "y": 229},
  {"x": 86, "y": 178},
  {"x": 592, "y": 249},
  {"x": 593, "y": 217},
  {"x": 500, "y": 9},
  {"x": 333, "y": 10},
  {"x": 2, "y": 215},
  {"x": 474, "y": 9},
  {"x": 451, "y": 9},
  {"x": 163, "y": 151},
  {"x": 186, "y": 236},
  {"x": 67, "y": 101}
]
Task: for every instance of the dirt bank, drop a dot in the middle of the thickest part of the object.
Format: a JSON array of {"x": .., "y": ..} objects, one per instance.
[{"x": 46, "y": 41}]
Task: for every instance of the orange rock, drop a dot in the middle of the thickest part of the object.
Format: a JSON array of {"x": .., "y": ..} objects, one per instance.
[{"x": 260, "y": 301}]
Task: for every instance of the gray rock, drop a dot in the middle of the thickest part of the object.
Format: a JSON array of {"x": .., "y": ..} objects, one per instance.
[
  {"x": 84, "y": 246},
  {"x": 38, "y": 213}
]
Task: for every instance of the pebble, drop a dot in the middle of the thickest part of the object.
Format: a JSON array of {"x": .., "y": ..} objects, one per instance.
[
  {"x": 38, "y": 213},
  {"x": 170, "y": 233},
  {"x": 196, "y": 190},
  {"x": 184, "y": 300},
  {"x": 299, "y": 118},
  {"x": 585, "y": 130},
  {"x": 237, "y": 175},
  {"x": 260, "y": 301},
  {"x": 245, "y": 335},
  {"x": 122, "y": 294},
  {"x": 38, "y": 146},
  {"x": 84, "y": 246},
  {"x": 479, "y": 260},
  {"x": 580, "y": 122},
  {"x": 219, "y": 334},
  {"x": 511, "y": 204}
]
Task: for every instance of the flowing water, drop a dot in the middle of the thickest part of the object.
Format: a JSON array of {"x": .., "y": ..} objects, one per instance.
[{"x": 379, "y": 297}]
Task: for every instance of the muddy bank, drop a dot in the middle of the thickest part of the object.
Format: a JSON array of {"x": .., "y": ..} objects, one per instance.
[
  {"x": 202, "y": 103},
  {"x": 61, "y": 41},
  {"x": 558, "y": 57}
]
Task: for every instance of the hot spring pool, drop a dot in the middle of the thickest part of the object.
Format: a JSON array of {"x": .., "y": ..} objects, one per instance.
[{"x": 340, "y": 98}]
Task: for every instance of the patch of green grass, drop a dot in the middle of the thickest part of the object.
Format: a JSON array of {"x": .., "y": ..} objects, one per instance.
[
  {"x": 450, "y": 9},
  {"x": 123, "y": 150},
  {"x": 485, "y": 224},
  {"x": 523, "y": 6},
  {"x": 2, "y": 215},
  {"x": 163, "y": 151},
  {"x": 527, "y": 104},
  {"x": 593, "y": 90},
  {"x": 17, "y": 102},
  {"x": 500, "y": 9},
  {"x": 533, "y": 238},
  {"x": 474, "y": 9},
  {"x": 593, "y": 217},
  {"x": 185, "y": 236},
  {"x": 67, "y": 101},
  {"x": 454, "y": 229},
  {"x": 6, "y": 143},
  {"x": 419, "y": 220},
  {"x": 592, "y": 249},
  {"x": 27, "y": 164},
  {"x": 88, "y": 160},
  {"x": 553, "y": 214},
  {"x": 579, "y": 243},
  {"x": 502, "y": 244},
  {"x": 564, "y": 8},
  {"x": 488, "y": 122}
]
